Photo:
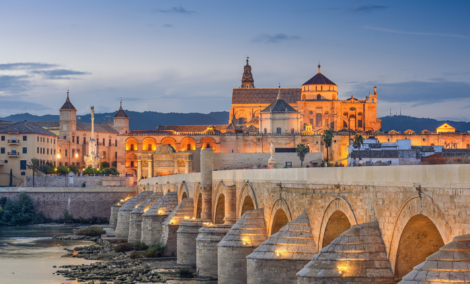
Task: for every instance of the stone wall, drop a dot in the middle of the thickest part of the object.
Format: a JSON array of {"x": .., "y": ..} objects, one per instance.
[
  {"x": 90, "y": 181},
  {"x": 241, "y": 160},
  {"x": 81, "y": 203}
]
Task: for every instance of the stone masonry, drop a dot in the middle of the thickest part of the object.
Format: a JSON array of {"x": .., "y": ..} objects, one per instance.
[
  {"x": 152, "y": 219},
  {"x": 184, "y": 211},
  {"x": 122, "y": 227},
  {"x": 135, "y": 221}
]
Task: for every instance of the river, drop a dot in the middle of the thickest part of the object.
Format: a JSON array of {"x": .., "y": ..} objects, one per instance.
[{"x": 28, "y": 254}]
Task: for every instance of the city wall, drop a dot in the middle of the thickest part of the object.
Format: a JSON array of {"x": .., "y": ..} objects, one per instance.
[
  {"x": 84, "y": 203},
  {"x": 422, "y": 203},
  {"x": 241, "y": 160},
  {"x": 77, "y": 181}
]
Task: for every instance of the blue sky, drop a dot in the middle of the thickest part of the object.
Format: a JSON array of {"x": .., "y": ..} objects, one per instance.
[{"x": 186, "y": 56}]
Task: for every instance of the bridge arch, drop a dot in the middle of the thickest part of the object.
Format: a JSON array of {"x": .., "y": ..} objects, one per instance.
[
  {"x": 218, "y": 204},
  {"x": 339, "y": 212},
  {"x": 182, "y": 192},
  {"x": 246, "y": 201},
  {"x": 280, "y": 216},
  {"x": 198, "y": 202},
  {"x": 418, "y": 218}
]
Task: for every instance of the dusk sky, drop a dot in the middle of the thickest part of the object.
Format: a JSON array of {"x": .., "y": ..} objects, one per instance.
[{"x": 186, "y": 56}]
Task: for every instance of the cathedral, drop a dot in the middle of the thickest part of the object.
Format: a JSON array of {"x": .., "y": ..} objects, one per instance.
[{"x": 313, "y": 106}]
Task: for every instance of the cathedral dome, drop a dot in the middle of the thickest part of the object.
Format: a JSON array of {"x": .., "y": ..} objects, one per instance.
[{"x": 319, "y": 79}]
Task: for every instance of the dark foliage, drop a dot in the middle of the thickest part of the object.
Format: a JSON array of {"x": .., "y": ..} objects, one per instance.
[
  {"x": 19, "y": 211},
  {"x": 185, "y": 273},
  {"x": 91, "y": 232},
  {"x": 155, "y": 250},
  {"x": 123, "y": 247}
]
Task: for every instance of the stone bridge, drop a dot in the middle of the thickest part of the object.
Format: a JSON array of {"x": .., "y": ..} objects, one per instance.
[{"x": 363, "y": 224}]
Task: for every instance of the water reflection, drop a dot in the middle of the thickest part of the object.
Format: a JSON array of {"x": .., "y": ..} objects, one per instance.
[{"x": 28, "y": 254}]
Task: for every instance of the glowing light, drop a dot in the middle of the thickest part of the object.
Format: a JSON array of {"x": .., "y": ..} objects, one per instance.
[
  {"x": 172, "y": 223},
  {"x": 207, "y": 223},
  {"x": 145, "y": 210},
  {"x": 136, "y": 206},
  {"x": 122, "y": 200},
  {"x": 186, "y": 217},
  {"x": 160, "y": 212},
  {"x": 76, "y": 155},
  {"x": 58, "y": 156},
  {"x": 194, "y": 218},
  {"x": 278, "y": 253}
]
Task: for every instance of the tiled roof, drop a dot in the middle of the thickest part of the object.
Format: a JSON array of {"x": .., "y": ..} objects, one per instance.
[
  {"x": 390, "y": 154},
  {"x": 24, "y": 128},
  {"x": 449, "y": 153},
  {"x": 121, "y": 112},
  {"x": 251, "y": 129},
  {"x": 99, "y": 127},
  {"x": 232, "y": 126},
  {"x": 4, "y": 123},
  {"x": 279, "y": 106},
  {"x": 254, "y": 121},
  {"x": 319, "y": 79},
  {"x": 67, "y": 104},
  {"x": 423, "y": 148},
  {"x": 48, "y": 124},
  {"x": 189, "y": 128},
  {"x": 108, "y": 122},
  {"x": 148, "y": 132},
  {"x": 264, "y": 95}
]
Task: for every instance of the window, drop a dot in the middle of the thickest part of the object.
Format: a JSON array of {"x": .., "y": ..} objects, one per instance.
[
  {"x": 149, "y": 147},
  {"x": 54, "y": 141},
  {"x": 318, "y": 97},
  {"x": 38, "y": 138},
  {"x": 65, "y": 137},
  {"x": 73, "y": 139},
  {"x": 66, "y": 164},
  {"x": 23, "y": 164},
  {"x": 109, "y": 142},
  {"x": 327, "y": 122},
  {"x": 188, "y": 147},
  {"x": 104, "y": 142},
  {"x": 265, "y": 131},
  {"x": 3, "y": 138},
  {"x": 13, "y": 138},
  {"x": 104, "y": 154},
  {"x": 23, "y": 173},
  {"x": 241, "y": 120},
  {"x": 115, "y": 142},
  {"x": 48, "y": 151},
  {"x": 359, "y": 123},
  {"x": 73, "y": 153},
  {"x": 311, "y": 112},
  {"x": 78, "y": 140},
  {"x": 60, "y": 164},
  {"x": 318, "y": 119},
  {"x": 65, "y": 152},
  {"x": 25, "y": 150},
  {"x": 292, "y": 130},
  {"x": 84, "y": 140},
  {"x": 47, "y": 140},
  {"x": 132, "y": 164},
  {"x": 2, "y": 150},
  {"x": 115, "y": 155},
  {"x": 208, "y": 145},
  {"x": 278, "y": 130},
  {"x": 311, "y": 121},
  {"x": 372, "y": 100},
  {"x": 25, "y": 138},
  {"x": 54, "y": 152},
  {"x": 132, "y": 147},
  {"x": 345, "y": 125}
]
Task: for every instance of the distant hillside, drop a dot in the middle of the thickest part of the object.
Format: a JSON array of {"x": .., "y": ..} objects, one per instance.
[
  {"x": 402, "y": 123},
  {"x": 147, "y": 120}
]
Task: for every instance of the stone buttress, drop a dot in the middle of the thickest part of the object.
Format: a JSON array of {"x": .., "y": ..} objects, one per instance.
[
  {"x": 451, "y": 264},
  {"x": 122, "y": 226},
  {"x": 184, "y": 211},
  {"x": 186, "y": 240},
  {"x": 115, "y": 213},
  {"x": 152, "y": 219},
  {"x": 279, "y": 258},
  {"x": 356, "y": 256},
  {"x": 246, "y": 235},
  {"x": 207, "y": 240},
  {"x": 135, "y": 223}
]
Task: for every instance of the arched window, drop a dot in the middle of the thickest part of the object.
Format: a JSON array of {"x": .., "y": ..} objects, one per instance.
[
  {"x": 318, "y": 119},
  {"x": 345, "y": 125},
  {"x": 303, "y": 97},
  {"x": 318, "y": 97},
  {"x": 372, "y": 100}
]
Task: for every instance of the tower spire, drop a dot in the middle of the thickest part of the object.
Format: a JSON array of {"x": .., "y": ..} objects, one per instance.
[
  {"x": 120, "y": 108},
  {"x": 247, "y": 78},
  {"x": 319, "y": 66},
  {"x": 68, "y": 99},
  {"x": 279, "y": 92}
]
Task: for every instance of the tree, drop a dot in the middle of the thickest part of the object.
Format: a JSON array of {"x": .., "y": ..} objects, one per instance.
[
  {"x": 46, "y": 169},
  {"x": 301, "y": 150},
  {"x": 104, "y": 164},
  {"x": 73, "y": 169},
  {"x": 114, "y": 164},
  {"x": 11, "y": 178},
  {"x": 34, "y": 166},
  {"x": 327, "y": 138},
  {"x": 90, "y": 171},
  {"x": 63, "y": 170},
  {"x": 358, "y": 142}
]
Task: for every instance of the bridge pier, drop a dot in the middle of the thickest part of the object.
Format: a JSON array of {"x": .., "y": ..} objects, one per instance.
[
  {"x": 246, "y": 235},
  {"x": 206, "y": 249},
  {"x": 135, "y": 223},
  {"x": 122, "y": 226},
  {"x": 184, "y": 211},
  {"x": 113, "y": 218},
  {"x": 279, "y": 258},
  {"x": 152, "y": 220},
  {"x": 230, "y": 204},
  {"x": 186, "y": 241}
]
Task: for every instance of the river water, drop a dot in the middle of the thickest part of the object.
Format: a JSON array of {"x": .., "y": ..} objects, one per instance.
[{"x": 28, "y": 254}]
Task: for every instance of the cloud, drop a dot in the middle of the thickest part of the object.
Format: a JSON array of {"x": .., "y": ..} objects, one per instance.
[
  {"x": 10, "y": 103},
  {"x": 59, "y": 74},
  {"x": 26, "y": 66},
  {"x": 167, "y": 26},
  {"x": 416, "y": 92},
  {"x": 367, "y": 8},
  {"x": 14, "y": 84},
  {"x": 275, "y": 38},
  {"x": 176, "y": 10},
  {"x": 414, "y": 33}
]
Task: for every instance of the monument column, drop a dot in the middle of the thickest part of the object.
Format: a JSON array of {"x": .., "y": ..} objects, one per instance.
[
  {"x": 139, "y": 169},
  {"x": 150, "y": 172},
  {"x": 230, "y": 204}
]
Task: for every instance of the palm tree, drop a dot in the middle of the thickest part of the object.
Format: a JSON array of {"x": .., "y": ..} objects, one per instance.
[
  {"x": 34, "y": 166},
  {"x": 301, "y": 150},
  {"x": 358, "y": 142},
  {"x": 327, "y": 138}
]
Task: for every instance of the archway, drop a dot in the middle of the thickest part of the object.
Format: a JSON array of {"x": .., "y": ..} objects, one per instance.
[
  {"x": 199, "y": 206},
  {"x": 247, "y": 205},
  {"x": 208, "y": 142},
  {"x": 131, "y": 144},
  {"x": 337, "y": 224},
  {"x": 131, "y": 160},
  {"x": 188, "y": 144},
  {"x": 184, "y": 195},
  {"x": 241, "y": 117},
  {"x": 169, "y": 141},
  {"x": 280, "y": 220},
  {"x": 419, "y": 239},
  {"x": 220, "y": 210},
  {"x": 318, "y": 120},
  {"x": 149, "y": 144}
]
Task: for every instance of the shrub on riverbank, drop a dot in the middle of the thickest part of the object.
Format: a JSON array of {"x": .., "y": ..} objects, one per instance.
[
  {"x": 123, "y": 247},
  {"x": 140, "y": 246},
  {"x": 91, "y": 232},
  {"x": 155, "y": 250},
  {"x": 20, "y": 211},
  {"x": 185, "y": 273}
]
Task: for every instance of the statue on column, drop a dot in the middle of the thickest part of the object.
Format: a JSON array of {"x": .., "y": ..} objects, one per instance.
[{"x": 92, "y": 159}]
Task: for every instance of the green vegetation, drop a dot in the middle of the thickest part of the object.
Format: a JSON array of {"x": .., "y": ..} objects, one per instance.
[
  {"x": 114, "y": 164},
  {"x": 67, "y": 215},
  {"x": 327, "y": 138},
  {"x": 91, "y": 232},
  {"x": 155, "y": 250},
  {"x": 185, "y": 273},
  {"x": 73, "y": 169},
  {"x": 104, "y": 171},
  {"x": 34, "y": 166},
  {"x": 134, "y": 255},
  {"x": 301, "y": 150},
  {"x": 63, "y": 170},
  {"x": 20, "y": 211},
  {"x": 104, "y": 164},
  {"x": 123, "y": 247},
  {"x": 140, "y": 246},
  {"x": 358, "y": 142}
]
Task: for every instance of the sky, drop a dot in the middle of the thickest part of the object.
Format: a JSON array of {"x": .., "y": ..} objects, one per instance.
[{"x": 187, "y": 56}]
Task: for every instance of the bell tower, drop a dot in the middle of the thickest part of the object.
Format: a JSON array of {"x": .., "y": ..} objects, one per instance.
[
  {"x": 247, "y": 78},
  {"x": 68, "y": 119}
]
